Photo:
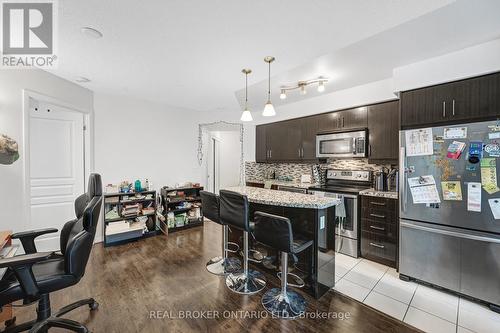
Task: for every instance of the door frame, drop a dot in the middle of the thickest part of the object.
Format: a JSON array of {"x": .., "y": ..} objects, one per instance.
[
  {"x": 88, "y": 120},
  {"x": 210, "y": 162}
]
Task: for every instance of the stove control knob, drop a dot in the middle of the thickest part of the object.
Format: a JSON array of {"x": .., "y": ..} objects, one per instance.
[{"x": 359, "y": 175}]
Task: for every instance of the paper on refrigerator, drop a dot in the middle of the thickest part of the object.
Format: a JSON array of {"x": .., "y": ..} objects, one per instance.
[
  {"x": 495, "y": 207},
  {"x": 474, "y": 197},
  {"x": 419, "y": 142},
  {"x": 489, "y": 175},
  {"x": 423, "y": 189}
]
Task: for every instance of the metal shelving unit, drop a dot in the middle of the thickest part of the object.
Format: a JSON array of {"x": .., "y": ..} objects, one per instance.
[
  {"x": 173, "y": 199},
  {"x": 125, "y": 235}
]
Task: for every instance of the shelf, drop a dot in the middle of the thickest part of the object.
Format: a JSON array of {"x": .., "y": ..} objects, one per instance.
[
  {"x": 133, "y": 239},
  {"x": 129, "y": 193},
  {"x": 192, "y": 224},
  {"x": 127, "y": 218},
  {"x": 180, "y": 210},
  {"x": 184, "y": 200}
]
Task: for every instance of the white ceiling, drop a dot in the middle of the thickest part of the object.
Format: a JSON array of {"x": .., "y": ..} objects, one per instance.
[
  {"x": 190, "y": 53},
  {"x": 453, "y": 27}
]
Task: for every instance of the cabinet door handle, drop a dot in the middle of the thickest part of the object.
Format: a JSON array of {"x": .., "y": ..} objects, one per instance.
[
  {"x": 369, "y": 150},
  {"x": 302, "y": 152},
  {"x": 380, "y": 246},
  {"x": 453, "y": 108},
  {"x": 270, "y": 153},
  {"x": 377, "y": 228},
  {"x": 377, "y": 203},
  {"x": 343, "y": 122},
  {"x": 378, "y": 216},
  {"x": 444, "y": 109},
  {"x": 300, "y": 155}
]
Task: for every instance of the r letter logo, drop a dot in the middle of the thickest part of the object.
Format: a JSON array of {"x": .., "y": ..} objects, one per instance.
[{"x": 28, "y": 34}]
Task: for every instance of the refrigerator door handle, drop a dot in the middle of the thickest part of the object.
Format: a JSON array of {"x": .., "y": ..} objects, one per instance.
[
  {"x": 450, "y": 233},
  {"x": 402, "y": 175}
]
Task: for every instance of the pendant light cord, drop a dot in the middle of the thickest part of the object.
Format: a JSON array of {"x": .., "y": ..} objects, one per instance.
[
  {"x": 269, "y": 84},
  {"x": 246, "y": 90}
]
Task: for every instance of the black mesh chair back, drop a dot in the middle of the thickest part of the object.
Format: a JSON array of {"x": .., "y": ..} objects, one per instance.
[
  {"x": 274, "y": 231},
  {"x": 210, "y": 206},
  {"x": 234, "y": 210}
]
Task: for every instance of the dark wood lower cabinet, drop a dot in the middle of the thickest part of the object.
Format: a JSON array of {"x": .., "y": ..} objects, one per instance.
[
  {"x": 378, "y": 248},
  {"x": 379, "y": 230}
]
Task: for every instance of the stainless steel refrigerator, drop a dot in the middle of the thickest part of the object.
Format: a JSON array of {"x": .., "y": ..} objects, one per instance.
[{"x": 444, "y": 243}]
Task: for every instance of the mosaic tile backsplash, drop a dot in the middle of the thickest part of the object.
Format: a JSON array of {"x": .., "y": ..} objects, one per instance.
[{"x": 258, "y": 171}]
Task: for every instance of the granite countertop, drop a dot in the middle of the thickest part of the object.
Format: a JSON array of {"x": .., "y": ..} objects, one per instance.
[
  {"x": 282, "y": 183},
  {"x": 283, "y": 198},
  {"x": 384, "y": 194}
]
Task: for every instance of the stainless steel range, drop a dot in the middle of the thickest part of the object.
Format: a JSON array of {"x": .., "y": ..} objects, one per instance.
[{"x": 345, "y": 185}]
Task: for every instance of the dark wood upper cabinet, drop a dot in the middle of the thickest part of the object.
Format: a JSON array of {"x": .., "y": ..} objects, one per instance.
[
  {"x": 328, "y": 122},
  {"x": 290, "y": 140},
  {"x": 383, "y": 129},
  {"x": 309, "y": 131},
  {"x": 343, "y": 120},
  {"x": 260, "y": 143},
  {"x": 353, "y": 118},
  {"x": 468, "y": 100},
  {"x": 276, "y": 137}
]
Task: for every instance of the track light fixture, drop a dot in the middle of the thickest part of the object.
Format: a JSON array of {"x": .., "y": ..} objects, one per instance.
[{"x": 302, "y": 86}]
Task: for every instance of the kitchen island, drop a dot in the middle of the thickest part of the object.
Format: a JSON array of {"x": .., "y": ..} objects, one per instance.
[{"x": 312, "y": 218}]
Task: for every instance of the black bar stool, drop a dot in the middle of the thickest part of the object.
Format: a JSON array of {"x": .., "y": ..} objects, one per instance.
[
  {"x": 234, "y": 211},
  {"x": 276, "y": 232},
  {"x": 224, "y": 265}
]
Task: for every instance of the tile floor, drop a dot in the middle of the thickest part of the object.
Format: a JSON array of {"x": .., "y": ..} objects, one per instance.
[{"x": 426, "y": 308}]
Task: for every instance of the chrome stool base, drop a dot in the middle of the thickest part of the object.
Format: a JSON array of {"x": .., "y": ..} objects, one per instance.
[
  {"x": 300, "y": 282},
  {"x": 248, "y": 284},
  {"x": 218, "y": 266},
  {"x": 279, "y": 305}
]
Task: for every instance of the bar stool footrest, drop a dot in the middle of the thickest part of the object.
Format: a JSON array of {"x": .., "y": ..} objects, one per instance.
[
  {"x": 232, "y": 247},
  {"x": 300, "y": 282}
]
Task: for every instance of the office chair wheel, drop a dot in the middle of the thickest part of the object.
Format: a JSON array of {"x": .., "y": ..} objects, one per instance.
[{"x": 93, "y": 306}]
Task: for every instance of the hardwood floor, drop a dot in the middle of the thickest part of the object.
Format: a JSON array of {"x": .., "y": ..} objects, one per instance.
[{"x": 167, "y": 274}]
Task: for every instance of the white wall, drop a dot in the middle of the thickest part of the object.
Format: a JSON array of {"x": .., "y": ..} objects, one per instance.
[
  {"x": 230, "y": 154},
  {"x": 472, "y": 61},
  {"x": 12, "y": 82}
]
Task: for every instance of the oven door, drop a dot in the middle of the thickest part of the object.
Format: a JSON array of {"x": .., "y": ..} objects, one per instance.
[{"x": 347, "y": 226}]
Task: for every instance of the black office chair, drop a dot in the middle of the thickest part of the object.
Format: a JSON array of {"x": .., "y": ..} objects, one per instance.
[
  {"x": 234, "y": 211},
  {"x": 210, "y": 205},
  {"x": 36, "y": 275},
  {"x": 276, "y": 232}
]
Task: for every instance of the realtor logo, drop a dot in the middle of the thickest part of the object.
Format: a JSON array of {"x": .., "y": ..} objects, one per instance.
[{"x": 28, "y": 33}]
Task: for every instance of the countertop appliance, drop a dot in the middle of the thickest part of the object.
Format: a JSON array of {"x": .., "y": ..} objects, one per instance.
[
  {"x": 345, "y": 144},
  {"x": 345, "y": 185},
  {"x": 381, "y": 180},
  {"x": 445, "y": 243}
]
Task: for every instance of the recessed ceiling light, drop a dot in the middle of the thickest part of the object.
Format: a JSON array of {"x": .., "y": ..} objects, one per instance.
[
  {"x": 82, "y": 79},
  {"x": 91, "y": 32}
]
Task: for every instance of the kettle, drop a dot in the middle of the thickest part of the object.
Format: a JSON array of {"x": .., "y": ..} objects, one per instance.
[{"x": 381, "y": 180}]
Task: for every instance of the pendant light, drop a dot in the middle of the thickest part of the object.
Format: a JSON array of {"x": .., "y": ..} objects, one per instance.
[
  {"x": 269, "y": 108},
  {"x": 246, "y": 115}
]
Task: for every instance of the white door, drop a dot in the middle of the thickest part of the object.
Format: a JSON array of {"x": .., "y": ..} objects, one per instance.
[
  {"x": 214, "y": 166},
  {"x": 56, "y": 168}
]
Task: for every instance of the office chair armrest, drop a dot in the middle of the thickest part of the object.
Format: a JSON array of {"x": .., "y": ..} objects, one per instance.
[
  {"x": 27, "y": 238},
  {"x": 24, "y": 259},
  {"x": 22, "y": 267}
]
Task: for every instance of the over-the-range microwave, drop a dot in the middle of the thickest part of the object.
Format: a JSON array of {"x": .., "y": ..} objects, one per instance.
[{"x": 345, "y": 144}]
